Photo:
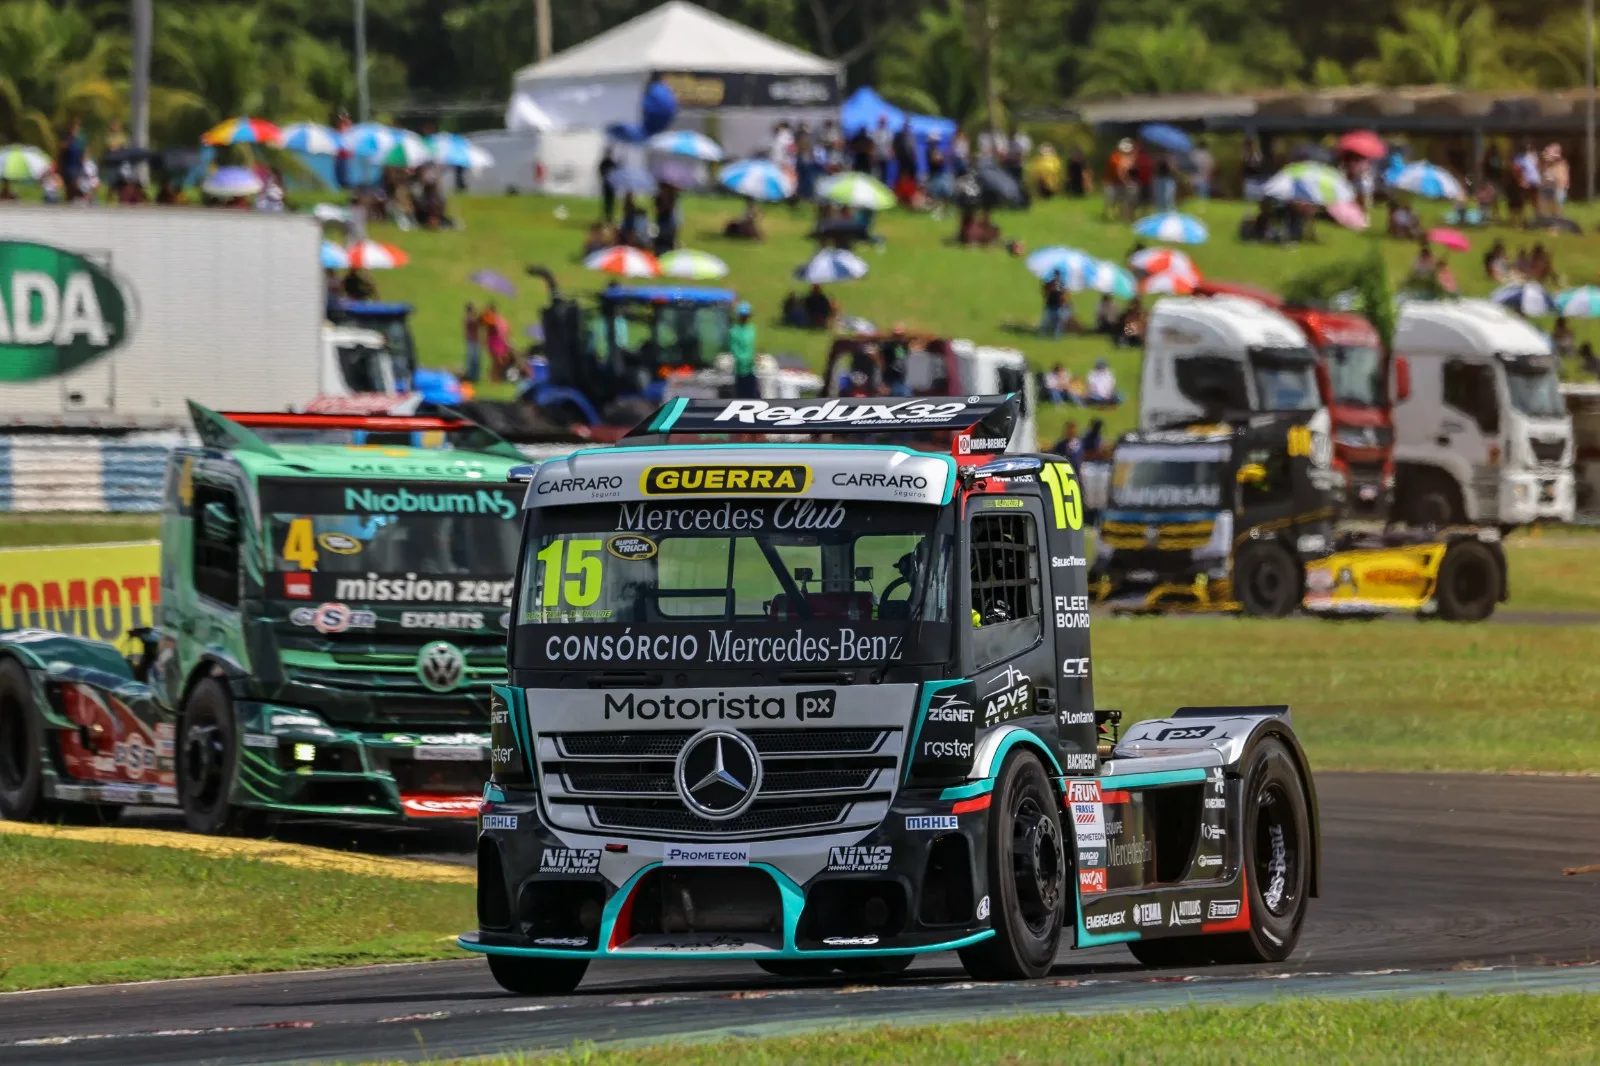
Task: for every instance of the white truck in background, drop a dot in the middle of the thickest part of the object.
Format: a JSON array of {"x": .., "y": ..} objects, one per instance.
[
  {"x": 111, "y": 318},
  {"x": 1482, "y": 435},
  {"x": 1583, "y": 404}
]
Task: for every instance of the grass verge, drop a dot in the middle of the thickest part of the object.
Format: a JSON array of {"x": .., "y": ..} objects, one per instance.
[
  {"x": 80, "y": 911},
  {"x": 1436, "y": 1030},
  {"x": 52, "y": 529}
]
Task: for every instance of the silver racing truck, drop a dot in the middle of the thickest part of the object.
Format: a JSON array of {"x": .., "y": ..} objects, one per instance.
[{"x": 825, "y": 706}]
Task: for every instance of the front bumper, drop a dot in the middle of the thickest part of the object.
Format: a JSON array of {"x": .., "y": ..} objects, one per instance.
[
  {"x": 1532, "y": 496},
  {"x": 1151, "y": 583},
  {"x": 292, "y": 761}
]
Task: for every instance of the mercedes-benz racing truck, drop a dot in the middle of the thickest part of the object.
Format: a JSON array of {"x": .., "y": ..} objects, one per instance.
[{"x": 828, "y": 704}]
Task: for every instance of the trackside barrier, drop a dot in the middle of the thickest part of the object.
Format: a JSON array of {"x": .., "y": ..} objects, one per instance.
[
  {"x": 61, "y": 472},
  {"x": 90, "y": 590}
]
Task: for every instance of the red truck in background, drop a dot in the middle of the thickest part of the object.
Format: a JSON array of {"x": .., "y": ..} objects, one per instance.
[{"x": 1353, "y": 376}]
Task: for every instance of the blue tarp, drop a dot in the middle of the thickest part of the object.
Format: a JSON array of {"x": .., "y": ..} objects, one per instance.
[{"x": 865, "y": 107}]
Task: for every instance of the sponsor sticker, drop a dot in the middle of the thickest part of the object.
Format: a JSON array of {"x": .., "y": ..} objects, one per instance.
[
  {"x": 441, "y": 619},
  {"x": 1105, "y": 921},
  {"x": 1222, "y": 908},
  {"x": 1208, "y": 860},
  {"x": 1078, "y": 667},
  {"x": 447, "y": 753},
  {"x": 569, "y": 860},
  {"x": 1072, "y": 612},
  {"x": 983, "y": 908},
  {"x": 332, "y": 618},
  {"x": 1187, "y": 732},
  {"x": 339, "y": 543},
  {"x": 1007, "y": 695},
  {"x": 1215, "y": 803},
  {"x": 849, "y": 941},
  {"x": 1080, "y": 761},
  {"x": 297, "y": 586},
  {"x": 857, "y": 859},
  {"x": 1185, "y": 912},
  {"x": 1074, "y": 562},
  {"x": 705, "y": 855},
  {"x": 1083, "y": 792},
  {"x": 423, "y": 806},
  {"x": 699, "y": 480},
  {"x": 1212, "y": 832},
  {"x": 922, "y": 823},
  {"x": 1147, "y": 914},
  {"x": 815, "y": 705},
  {"x": 499, "y": 821},
  {"x": 631, "y": 548},
  {"x": 1089, "y": 824},
  {"x": 260, "y": 740},
  {"x": 1092, "y": 881},
  {"x": 562, "y": 941}
]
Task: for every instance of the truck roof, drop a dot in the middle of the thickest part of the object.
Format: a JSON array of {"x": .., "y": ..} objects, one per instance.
[
  {"x": 1233, "y": 321},
  {"x": 1463, "y": 327},
  {"x": 377, "y": 461}
]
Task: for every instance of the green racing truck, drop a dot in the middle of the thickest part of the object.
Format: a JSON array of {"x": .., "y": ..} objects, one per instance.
[
  {"x": 826, "y": 703},
  {"x": 333, "y": 611}
]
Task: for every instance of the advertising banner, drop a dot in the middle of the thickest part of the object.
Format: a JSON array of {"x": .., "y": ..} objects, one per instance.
[{"x": 90, "y": 590}]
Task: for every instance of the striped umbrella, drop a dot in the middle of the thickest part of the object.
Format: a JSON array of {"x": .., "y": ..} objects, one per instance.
[
  {"x": 1426, "y": 179},
  {"x": 1112, "y": 280},
  {"x": 687, "y": 143},
  {"x": 1310, "y": 183},
  {"x": 1526, "y": 298},
  {"x": 334, "y": 257},
  {"x": 758, "y": 179},
  {"x": 408, "y": 150},
  {"x": 22, "y": 162},
  {"x": 1582, "y": 302},
  {"x": 691, "y": 265},
  {"x": 229, "y": 183},
  {"x": 241, "y": 131},
  {"x": 1058, "y": 258},
  {"x": 1172, "y": 227},
  {"x": 454, "y": 150},
  {"x": 1179, "y": 284},
  {"x": 367, "y": 140},
  {"x": 634, "y": 180},
  {"x": 830, "y": 265},
  {"x": 628, "y": 262},
  {"x": 371, "y": 255},
  {"x": 310, "y": 138},
  {"x": 856, "y": 190},
  {"x": 1162, "y": 261}
]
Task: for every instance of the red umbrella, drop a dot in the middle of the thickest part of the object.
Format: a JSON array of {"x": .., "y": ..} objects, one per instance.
[
  {"x": 1450, "y": 238},
  {"x": 1363, "y": 143}
]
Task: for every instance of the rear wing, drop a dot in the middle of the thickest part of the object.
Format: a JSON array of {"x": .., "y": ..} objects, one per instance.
[
  {"x": 982, "y": 425},
  {"x": 238, "y": 430}
]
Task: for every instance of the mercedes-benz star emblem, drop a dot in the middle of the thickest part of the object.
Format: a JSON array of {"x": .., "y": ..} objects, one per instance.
[
  {"x": 441, "y": 666},
  {"x": 718, "y": 774}
]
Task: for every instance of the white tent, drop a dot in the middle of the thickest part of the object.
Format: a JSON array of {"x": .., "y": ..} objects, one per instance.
[{"x": 714, "y": 67}]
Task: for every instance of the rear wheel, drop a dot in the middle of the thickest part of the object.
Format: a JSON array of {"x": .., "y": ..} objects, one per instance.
[
  {"x": 1027, "y": 876},
  {"x": 1267, "y": 580},
  {"x": 20, "y": 746},
  {"x": 1469, "y": 582},
  {"x": 537, "y": 977}
]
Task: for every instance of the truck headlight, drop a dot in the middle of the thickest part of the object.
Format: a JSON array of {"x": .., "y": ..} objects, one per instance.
[
  {"x": 305, "y": 753},
  {"x": 1311, "y": 544}
]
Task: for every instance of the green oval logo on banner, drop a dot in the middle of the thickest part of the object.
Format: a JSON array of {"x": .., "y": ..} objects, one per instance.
[{"x": 58, "y": 311}]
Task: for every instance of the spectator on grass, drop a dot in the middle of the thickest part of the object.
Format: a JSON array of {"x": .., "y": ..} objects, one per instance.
[
  {"x": 1068, "y": 446},
  {"x": 472, "y": 336},
  {"x": 742, "y": 346},
  {"x": 1120, "y": 190},
  {"x": 882, "y": 148},
  {"x": 635, "y": 230},
  {"x": 894, "y": 353},
  {"x": 747, "y": 226},
  {"x": 1166, "y": 183},
  {"x": 1131, "y": 333},
  {"x": 1425, "y": 267},
  {"x": 1403, "y": 222},
  {"x": 70, "y": 157},
  {"x": 1107, "y": 319},
  {"x": 1100, "y": 387},
  {"x": 1496, "y": 267},
  {"x": 1562, "y": 340},
  {"x": 1524, "y": 184},
  {"x": 1080, "y": 181},
  {"x": 667, "y": 218},
  {"x": 1093, "y": 446},
  {"x": 1587, "y": 357},
  {"x": 1057, "y": 316},
  {"x": 497, "y": 338},
  {"x": 608, "y": 192},
  {"x": 1056, "y": 383},
  {"x": 358, "y": 285},
  {"x": 1205, "y": 170},
  {"x": 598, "y": 237}
]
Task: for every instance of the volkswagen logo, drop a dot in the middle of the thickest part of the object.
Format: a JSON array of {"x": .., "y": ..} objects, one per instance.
[
  {"x": 718, "y": 774},
  {"x": 441, "y": 666}
]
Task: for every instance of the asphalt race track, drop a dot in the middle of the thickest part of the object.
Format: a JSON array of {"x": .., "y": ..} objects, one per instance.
[{"x": 1431, "y": 883}]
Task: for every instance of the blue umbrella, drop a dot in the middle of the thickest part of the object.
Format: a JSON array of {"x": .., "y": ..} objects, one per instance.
[
  {"x": 1526, "y": 298},
  {"x": 454, "y": 150},
  {"x": 334, "y": 257},
  {"x": 831, "y": 264},
  {"x": 228, "y": 183},
  {"x": 1426, "y": 179},
  {"x": 687, "y": 143},
  {"x": 1164, "y": 136},
  {"x": 1060, "y": 259},
  {"x": 1172, "y": 227},
  {"x": 757, "y": 179},
  {"x": 632, "y": 179}
]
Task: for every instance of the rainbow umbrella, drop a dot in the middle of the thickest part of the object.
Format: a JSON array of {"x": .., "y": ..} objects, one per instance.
[
  {"x": 309, "y": 138},
  {"x": 628, "y": 262},
  {"x": 372, "y": 255},
  {"x": 334, "y": 257},
  {"x": 1172, "y": 227},
  {"x": 22, "y": 162},
  {"x": 242, "y": 131},
  {"x": 691, "y": 265}
]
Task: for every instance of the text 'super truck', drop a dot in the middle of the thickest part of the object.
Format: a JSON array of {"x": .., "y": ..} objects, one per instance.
[{"x": 828, "y": 706}]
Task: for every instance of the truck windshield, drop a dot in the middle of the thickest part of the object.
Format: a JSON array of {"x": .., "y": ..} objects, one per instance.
[
  {"x": 1286, "y": 379},
  {"x": 1356, "y": 375},
  {"x": 370, "y": 369},
  {"x": 1535, "y": 389},
  {"x": 1169, "y": 476}
]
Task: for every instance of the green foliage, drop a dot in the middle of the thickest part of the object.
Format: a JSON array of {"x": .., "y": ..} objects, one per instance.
[
  {"x": 53, "y": 66},
  {"x": 1456, "y": 44},
  {"x": 1367, "y": 277}
]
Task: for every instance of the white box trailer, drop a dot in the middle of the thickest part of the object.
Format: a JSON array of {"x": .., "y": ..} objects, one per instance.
[{"x": 112, "y": 317}]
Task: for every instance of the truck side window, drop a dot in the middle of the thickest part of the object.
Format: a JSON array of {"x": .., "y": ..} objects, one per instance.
[
  {"x": 216, "y": 544},
  {"x": 1214, "y": 382},
  {"x": 1469, "y": 387},
  {"x": 1013, "y": 380},
  {"x": 1005, "y": 586}
]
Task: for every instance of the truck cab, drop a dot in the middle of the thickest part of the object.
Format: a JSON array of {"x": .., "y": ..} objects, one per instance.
[
  {"x": 1481, "y": 435},
  {"x": 825, "y": 706}
]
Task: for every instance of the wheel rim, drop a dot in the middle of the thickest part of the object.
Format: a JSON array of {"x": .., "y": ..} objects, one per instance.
[
  {"x": 204, "y": 760},
  {"x": 13, "y": 744},
  {"x": 1039, "y": 865},
  {"x": 1277, "y": 852},
  {"x": 1269, "y": 583}
]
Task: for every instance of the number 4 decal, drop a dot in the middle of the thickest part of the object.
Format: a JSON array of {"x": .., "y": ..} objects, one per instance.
[
  {"x": 299, "y": 546},
  {"x": 1064, "y": 495}
]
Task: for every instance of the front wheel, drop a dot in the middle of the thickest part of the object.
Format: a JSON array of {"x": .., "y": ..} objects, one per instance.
[
  {"x": 21, "y": 775},
  {"x": 537, "y": 977},
  {"x": 208, "y": 755},
  {"x": 1027, "y": 876},
  {"x": 1267, "y": 580},
  {"x": 1469, "y": 582}
]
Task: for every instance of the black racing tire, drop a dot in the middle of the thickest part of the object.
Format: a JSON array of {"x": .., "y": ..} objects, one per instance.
[
  {"x": 1469, "y": 582},
  {"x": 1433, "y": 505},
  {"x": 1268, "y": 581},
  {"x": 1028, "y": 876},
  {"x": 796, "y": 968},
  {"x": 21, "y": 746},
  {"x": 526, "y": 976},
  {"x": 208, "y": 758},
  {"x": 881, "y": 966}
]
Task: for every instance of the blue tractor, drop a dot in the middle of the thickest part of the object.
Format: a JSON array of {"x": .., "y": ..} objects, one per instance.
[{"x": 393, "y": 321}]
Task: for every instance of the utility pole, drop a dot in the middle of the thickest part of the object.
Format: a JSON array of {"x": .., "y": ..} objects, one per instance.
[
  {"x": 1588, "y": 117},
  {"x": 541, "y": 15},
  {"x": 139, "y": 104},
  {"x": 361, "y": 61}
]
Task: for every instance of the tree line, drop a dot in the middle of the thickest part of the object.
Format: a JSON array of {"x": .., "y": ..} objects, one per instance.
[{"x": 452, "y": 61}]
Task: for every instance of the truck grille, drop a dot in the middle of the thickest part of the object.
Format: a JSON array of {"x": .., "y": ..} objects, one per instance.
[
  {"x": 811, "y": 778},
  {"x": 1548, "y": 451}
]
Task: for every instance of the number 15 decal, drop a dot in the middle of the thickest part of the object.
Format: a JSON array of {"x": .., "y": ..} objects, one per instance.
[{"x": 1064, "y": 495}]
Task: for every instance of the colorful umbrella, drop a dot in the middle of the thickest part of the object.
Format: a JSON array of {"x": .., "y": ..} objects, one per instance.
[
  {"x": 332, "y": 213},
  {"x": 371, "y": 255},
  {"x": 1310, "y": 183},
  {"x": 1453, "y": 239},
  {"x": 310, "y": 138},
  {"x": 1426, "y": 179},
  {"x": 632, "y": 179},
  {"x": 241, "y": 131},
  {"x": 856, "y": 190},
  {"x": 408, "y": 150},
  {"x": 1058, "y": 258},
  {"x": 1526, "y": 298},
  {"x": 1165, "y": 137},
  {"x": 1173, "y": 227},
  {"x": 334, "y": 257},
  {"x": 628, "y": 262},
  {"x": 1363, "y": 143},
  {"x": 758, "y": 180},
  {"x": 494, "y": 282},
  {"x": 1112, "y": 280},
  {"x": 687, "y": 143},
  {"x": 22, "y": 162},
  {"x": 691, "y": 265},
  {"x": 1348, "y": 214},
  {"x": 1163, "y": 261},
  {"x": 368, "y": 139},
  {"x": 830, "y": 265},
  {"x": 1582, "y": 302},
  {"x": 454, "y": 150},
  {"x": 1179, "y": 284},
  {"x": 229, "y": 183}
]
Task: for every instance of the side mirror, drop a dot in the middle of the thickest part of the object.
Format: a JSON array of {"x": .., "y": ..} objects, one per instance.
[
  {"x": 218, "y": 525},
  {"x": 1251, "y": 474},
  {"x": 1402, "y": 379}
]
